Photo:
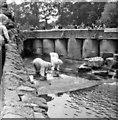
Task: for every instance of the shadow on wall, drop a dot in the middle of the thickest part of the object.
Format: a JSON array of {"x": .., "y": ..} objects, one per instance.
[
  {"x": 28, "y": 51},
  {"x": 72, "y": 48}
]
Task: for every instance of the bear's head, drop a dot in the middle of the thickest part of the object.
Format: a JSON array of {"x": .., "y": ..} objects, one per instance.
[{"x": 54, "y": 55}]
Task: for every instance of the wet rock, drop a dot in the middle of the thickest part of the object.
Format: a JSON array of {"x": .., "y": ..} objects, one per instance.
[
  {"x": 106, "y": 55},
  {"x": 100, "y": 73},
  {"x": 30, "y": 105},
  {"x": 38, "y": 115},
  {"x": 115, "y": 65},
  {"x": 95, "y": 62},
  {"x": 35, "y": 100},
  {"x": 26, "y": 88},
  {"x": 115, "y": 75},
  {"x": 84, "y": 68},
  {"x": 116, "y": 57},
  {"x": 39, "y": 110},
  {"x": 9, "y": 115},
  {"x": 109, "y": 62}
]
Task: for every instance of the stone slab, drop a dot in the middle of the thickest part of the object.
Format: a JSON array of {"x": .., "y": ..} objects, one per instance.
[{"x": 62, "y": 84}]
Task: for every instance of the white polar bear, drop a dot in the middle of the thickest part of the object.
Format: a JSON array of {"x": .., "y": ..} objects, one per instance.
[
  {"x": 54, "y": 55},
  {"x": 39, "y": 65},
  {"x": 56, "y": 62}
]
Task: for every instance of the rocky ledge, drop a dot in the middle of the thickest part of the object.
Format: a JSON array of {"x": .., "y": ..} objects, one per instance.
[
  {"x": 20, "y": 99},
  {"x": 101, "y": 66}
]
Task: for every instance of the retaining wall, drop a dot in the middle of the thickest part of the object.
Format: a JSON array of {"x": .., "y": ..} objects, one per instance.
[
  {"x": 72, "y": 43},
  {"x": 20, "y": 98}
]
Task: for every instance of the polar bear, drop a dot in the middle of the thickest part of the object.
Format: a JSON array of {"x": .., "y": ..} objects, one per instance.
[
  {"x": 54, "y": 55},
  {"x": 41, "y": 66},
  {"x": 56, "y": 62}
]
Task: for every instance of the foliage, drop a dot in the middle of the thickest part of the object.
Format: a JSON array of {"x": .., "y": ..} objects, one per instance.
[
  {"x": 49, "y": 14},
  {"x": 80, "y": 12},
  {"x": 33, "y": 13},
  {"x": 110, "y": 15}
]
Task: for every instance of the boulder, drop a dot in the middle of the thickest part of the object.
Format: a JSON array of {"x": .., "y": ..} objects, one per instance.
[
  {"x": 38, "y": 115},
  {"x": 116, "y": 57},
  {"x": 26, "y": 88},
  {"x": 84, "y": 68},
  {"x": 115, "y": 65},
  {"x": 106, "y": 55},
  {"x": 116, "y": 76},
  {"x": 100, "y": 73},
  {"x": 109, "y": 62},
  {"x": 40, "y": 102},
  {"x": 95, "y": 62}
]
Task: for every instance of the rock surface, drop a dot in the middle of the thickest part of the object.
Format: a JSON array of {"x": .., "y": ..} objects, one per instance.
[
  {"x": 106, "y": 55},
  {"x": 84, "y": 68},
  {"x": 16, "y": 85},
  {"x": 100, "y": 73},
  {"x": 109, "y": 62},
  {"x": 96, "y": 62}
]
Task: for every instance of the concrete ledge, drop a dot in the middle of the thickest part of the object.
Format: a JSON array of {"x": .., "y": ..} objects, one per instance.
[
  {"x": 67, "y": 33},
  {"x": 16, "y": 87},
  {"x": 72, "y": 43}
]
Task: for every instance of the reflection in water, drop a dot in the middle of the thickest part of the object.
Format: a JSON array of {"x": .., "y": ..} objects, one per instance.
[{"x": 97, "y": 102}]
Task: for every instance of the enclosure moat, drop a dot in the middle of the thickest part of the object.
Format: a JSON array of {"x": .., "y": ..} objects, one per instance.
[{"x": 95, "y": 102}]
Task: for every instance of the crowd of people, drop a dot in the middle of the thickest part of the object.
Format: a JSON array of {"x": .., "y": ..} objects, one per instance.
[{"x": 81, "y": 26}]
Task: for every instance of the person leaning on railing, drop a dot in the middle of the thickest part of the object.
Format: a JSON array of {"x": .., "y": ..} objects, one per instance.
[{"x": 4, "y": 38}]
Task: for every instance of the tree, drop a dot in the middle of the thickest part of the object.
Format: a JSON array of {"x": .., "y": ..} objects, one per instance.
[
  {"x": 47, "y": 11},
  {"x": 95, "y": 12},
  {"x": 110, "y": 15},
  {"x": 80, "y": 12},
  {"x": 33, "y": 13},
  {"x": 65, "y": 13}
]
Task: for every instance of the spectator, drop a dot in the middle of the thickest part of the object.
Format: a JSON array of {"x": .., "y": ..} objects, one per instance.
[{"x": 4, "y": 38}]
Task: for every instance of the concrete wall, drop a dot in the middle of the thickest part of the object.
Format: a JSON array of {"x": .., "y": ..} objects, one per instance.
[
  {"x": 19, "y": 96},
  {"x": 75, "y": 44}
]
